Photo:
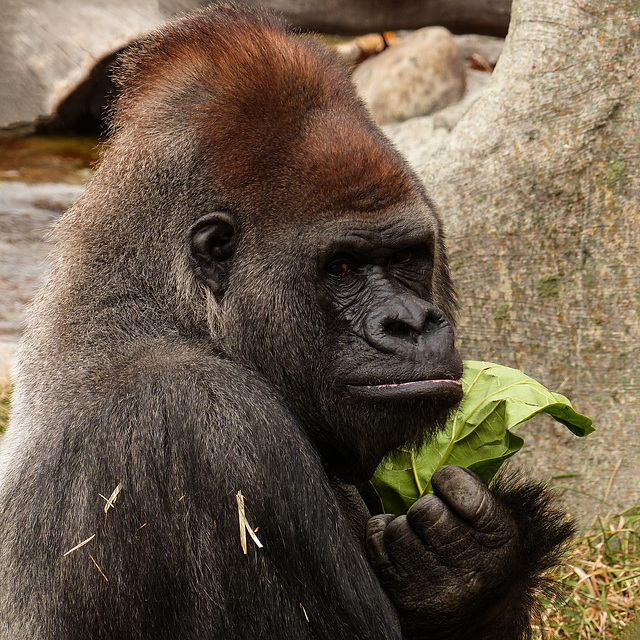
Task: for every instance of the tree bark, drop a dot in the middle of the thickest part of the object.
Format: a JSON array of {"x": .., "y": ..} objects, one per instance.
[
  {"x": 539, "y": 187},
  {"x": 353, "y": 17}
]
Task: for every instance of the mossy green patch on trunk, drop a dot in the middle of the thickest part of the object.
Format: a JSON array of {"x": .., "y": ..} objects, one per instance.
[{"x": 548, "y": 286}]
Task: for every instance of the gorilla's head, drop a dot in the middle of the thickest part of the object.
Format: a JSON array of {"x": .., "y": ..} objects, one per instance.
[{"x": 308, "y": 249}]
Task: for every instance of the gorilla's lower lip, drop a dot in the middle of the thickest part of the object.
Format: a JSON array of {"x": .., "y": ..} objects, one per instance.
[{"x": 416, "y": 388}]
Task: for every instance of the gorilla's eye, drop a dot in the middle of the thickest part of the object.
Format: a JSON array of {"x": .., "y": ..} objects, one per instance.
[
  {"x": 340, "y": 268},
  {"x": 402, "y": 257}
]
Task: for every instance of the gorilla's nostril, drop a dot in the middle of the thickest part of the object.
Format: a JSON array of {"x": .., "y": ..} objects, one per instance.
[
  {"x": 406, "y": 324},
  {"x": 399, "y": 329}
]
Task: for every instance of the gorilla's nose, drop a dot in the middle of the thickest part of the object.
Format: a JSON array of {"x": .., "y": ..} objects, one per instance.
[{"x": 409, "y": 326}]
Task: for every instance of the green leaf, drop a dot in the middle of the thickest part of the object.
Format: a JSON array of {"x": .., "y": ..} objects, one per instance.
[{"x": 478, "y": 435}]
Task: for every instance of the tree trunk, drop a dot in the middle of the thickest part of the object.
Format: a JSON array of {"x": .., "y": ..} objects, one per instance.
[
  {"x": 489, "y": 17},
  {"x": 539, "y": 187}
]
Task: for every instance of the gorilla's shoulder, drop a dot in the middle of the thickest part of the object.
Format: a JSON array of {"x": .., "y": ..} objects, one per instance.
[
  {"x": 184, "y": 375},
  {"x": 150, "y": 387}
]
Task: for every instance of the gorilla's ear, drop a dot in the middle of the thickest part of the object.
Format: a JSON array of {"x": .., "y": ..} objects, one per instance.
[{"x": 212, "y": 241}]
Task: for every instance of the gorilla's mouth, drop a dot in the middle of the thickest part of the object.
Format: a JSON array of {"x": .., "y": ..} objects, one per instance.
[{"x": 442, "y": 389}]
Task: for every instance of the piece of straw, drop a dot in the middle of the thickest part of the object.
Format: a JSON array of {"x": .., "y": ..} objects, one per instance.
[
  {"x": 81, "y": 544},
  {"x": 112, "y": 498},
  {"x": 98, "y": 567},
  {"x": 110, "y": 501},
  {"x": 244, "y": 525}
]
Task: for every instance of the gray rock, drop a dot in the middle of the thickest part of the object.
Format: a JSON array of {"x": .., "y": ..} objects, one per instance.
[
  {"x": 420, "y": 74},
  {"x": 418, "y": 139},
  {"x": 363, "y": 16},
  {"x": 49, "y": 47}
]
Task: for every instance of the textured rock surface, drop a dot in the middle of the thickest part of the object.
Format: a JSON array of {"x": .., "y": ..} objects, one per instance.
[
  {"x": 488, "y": 47},
  {"x": 420, "y": 138},
  {"x": 48, "y": 47},
  {"x": 420, "y": 74}
]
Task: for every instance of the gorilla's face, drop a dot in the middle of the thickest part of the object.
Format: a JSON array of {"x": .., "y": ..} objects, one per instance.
[
  {"x": 341, "y": 317},
  {"x": 389, "y": 358}
]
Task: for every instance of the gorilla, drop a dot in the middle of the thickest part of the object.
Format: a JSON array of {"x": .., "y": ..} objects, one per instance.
[{"x": 247, "y": 310}]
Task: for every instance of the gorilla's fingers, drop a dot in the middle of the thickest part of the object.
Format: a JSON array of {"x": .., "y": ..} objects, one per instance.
[
  {"x": 440, "y": 528},
  {"x": 395, "y": 549},
  {"x": 374, "y": 541},
  {"x": 427, "y": 513},
  {"x": 464, "y": 492}
]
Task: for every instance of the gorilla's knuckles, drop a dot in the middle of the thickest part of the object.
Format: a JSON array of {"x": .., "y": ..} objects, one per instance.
[{"x": 467, "y": 495}]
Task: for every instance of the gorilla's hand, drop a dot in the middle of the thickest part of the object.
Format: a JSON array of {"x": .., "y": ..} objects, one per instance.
[{"x": 465, "y": 561}]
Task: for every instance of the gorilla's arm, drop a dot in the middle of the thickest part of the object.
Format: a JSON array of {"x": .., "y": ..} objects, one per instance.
[
  {"x": 466, "y": 561},
  {"x": 182, "y": 434}
]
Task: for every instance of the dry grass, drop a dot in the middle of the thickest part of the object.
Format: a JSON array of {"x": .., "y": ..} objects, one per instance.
[
  {"x": 601, "y": 577},
  {"x": 5, "y": 394},
  {"x": 602, "y": 581}
]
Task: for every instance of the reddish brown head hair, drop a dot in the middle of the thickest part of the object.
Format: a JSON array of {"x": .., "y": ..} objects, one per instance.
[{"x": 271, "y": 113}]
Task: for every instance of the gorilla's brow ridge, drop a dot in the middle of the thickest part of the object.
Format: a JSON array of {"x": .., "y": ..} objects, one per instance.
[{"x": 372, "y": 236}]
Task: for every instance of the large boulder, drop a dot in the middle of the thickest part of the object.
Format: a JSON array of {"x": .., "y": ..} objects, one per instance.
[
  {"x": 489, "y": 17},
  {"x": 420, "y": 74},
  {"x": 50, "y": 48}
]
